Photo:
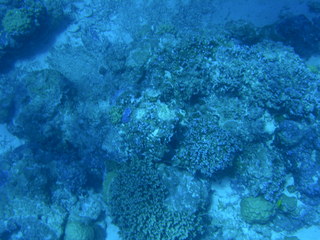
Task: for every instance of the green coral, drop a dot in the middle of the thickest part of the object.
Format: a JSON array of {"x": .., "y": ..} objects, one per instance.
[
  {"x": 76, "y": 230},
  {"x": 137, "y": 207},
  {"x": 287, "y": 204},
  {"x": 115, "y": 114},
  {"x": 256, "y": 210},
  {"x": 17, "y": 21},
  {"x": 25, "y": 20}
]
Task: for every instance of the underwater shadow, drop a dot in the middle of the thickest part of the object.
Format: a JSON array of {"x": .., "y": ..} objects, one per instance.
[{"x": 40, "y": 42}]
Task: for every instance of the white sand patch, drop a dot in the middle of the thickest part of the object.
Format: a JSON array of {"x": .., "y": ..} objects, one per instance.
[
  {"x": 112, "y": 231},
  {"x": 7, "y": 140},
  {"x": 225, "y": 209},
  {"x": 311, "y": 233},
  {"x": 225, "y": 212}
]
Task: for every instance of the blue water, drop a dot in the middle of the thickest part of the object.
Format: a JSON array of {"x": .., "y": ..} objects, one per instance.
[{"x": 159, "y": 120}]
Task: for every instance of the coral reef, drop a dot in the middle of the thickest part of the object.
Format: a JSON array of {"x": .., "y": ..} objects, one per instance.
[
  {"x": 38, "y": 89},
  {"x": 137, "y": 197},
  {"x": 206, "y": 148},
  {"x": 78, "y": 231},
  {"x": 162, "y": 127},
  {"x": 256, "y": 210},
  {"x": 261, "y": 170},
  {"x": 23, "y": 22}
]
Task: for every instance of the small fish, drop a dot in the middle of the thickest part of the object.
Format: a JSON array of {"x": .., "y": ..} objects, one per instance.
[{"x": 126, "y": 115}]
